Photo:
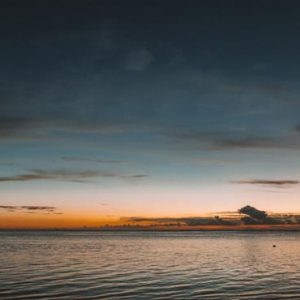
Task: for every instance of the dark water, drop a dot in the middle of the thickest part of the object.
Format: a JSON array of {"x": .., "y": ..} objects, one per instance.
[{"x": 137, "y": 265}]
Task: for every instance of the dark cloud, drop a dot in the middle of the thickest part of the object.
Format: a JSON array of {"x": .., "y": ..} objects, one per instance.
[
  {"x": 16, "y": 126},
  {"x": 250, "y": 216},
  {"x": 145, "y": 219},
  {"x": 139, "y": 176},
  {"x": 35, "y": 128},
  {"x": 8, "y": 207},
  {"x": 233, "y": 140},
  {"x": 73, "y": 176},
  {"x": 255, "y": 217},
  {"x": 251, "y": 221},
  {"x": 10, "y": 124},
  {"x": 38, "y": 207},
  {"x": 269, "y": 182},
  {"x": 189, "y": 221},
  {"x": 249, "y": 142},
  {"x": 92, "y": 160},
  {"x": 253, "y": 212},
  {"x": 30, "y": 208}
]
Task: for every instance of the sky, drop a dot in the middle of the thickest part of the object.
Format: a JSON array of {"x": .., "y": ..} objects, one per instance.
[{"x": 120, "y": 109}]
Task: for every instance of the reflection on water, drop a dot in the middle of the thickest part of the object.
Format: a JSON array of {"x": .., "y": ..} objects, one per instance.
[{"x": 144, "y": 265}]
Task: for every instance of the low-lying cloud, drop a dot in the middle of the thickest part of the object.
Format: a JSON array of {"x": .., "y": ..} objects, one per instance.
[
  {"x": 269, "y": 182},
  {"x": 31, "y": 209},
  {"x": 188, "y": 221},
  {"x": 247, "y": 215},
  {"x": 62, "y": 175}
]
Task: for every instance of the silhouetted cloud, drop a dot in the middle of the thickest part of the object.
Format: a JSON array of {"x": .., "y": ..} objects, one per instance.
[
  {"x": 74, "y": 176},
  {"x": 139, "y": 176},
  {"x": 30, "y": 208},
  {"x": 189, "y": 221},
  {"x": 255, "y": 217},
  {"x": 253, "y": 212},
  {"x": 38, "y": 207},
  {"x": 8, "y": 207},
  {"x": 269, "y": 182},
  {"x": 250, "y": 216}
]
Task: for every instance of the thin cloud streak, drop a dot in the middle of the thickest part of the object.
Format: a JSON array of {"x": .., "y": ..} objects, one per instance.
[
  {"x": 30, "y": 209},
  {"x": 231, "y": 140},
  {"x": 92, "y": 160},
  {"x": 21, "y": 128},
  {"x": 73, "y": 176},
  {"x": 269, "y": 182},
  {"x": 40, "y": 128}
]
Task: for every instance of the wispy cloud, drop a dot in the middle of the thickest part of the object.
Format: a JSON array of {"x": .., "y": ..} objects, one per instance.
[
  {"x": 31, "y": 209},
  {"x": 139, "y": 60},
  {"x": 233, "y": 140},
  {"x": 73, "y": 176},
  {"x": 215, "y": 161},
  {"x": 15, "y": 126},
  {"x": 40, "y": 128},
  {"x": 92, "y": 160},
  {"x": 269, "y": 182},
  {"x": 8, "y": 207},
  {"x": 7, "y": 164}
]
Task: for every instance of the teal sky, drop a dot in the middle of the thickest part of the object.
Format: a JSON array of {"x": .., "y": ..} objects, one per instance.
[{"x": 126, "y": 108}]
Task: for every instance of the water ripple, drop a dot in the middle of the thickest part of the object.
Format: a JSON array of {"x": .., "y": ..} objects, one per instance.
[{"x": 114, "y": 265}]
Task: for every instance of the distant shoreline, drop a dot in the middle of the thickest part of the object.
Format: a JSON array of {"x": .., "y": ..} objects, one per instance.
[{"x": 254, "y": 228}]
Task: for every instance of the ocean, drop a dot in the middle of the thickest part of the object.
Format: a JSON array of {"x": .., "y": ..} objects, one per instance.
[{"x": 149, "y": 265}]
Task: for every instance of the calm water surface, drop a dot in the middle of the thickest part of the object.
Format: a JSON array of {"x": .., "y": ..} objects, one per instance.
[{"x": 144, "y": 265}]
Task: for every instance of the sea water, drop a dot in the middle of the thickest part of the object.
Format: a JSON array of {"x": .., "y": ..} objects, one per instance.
[{"x": 149, "y": 265}]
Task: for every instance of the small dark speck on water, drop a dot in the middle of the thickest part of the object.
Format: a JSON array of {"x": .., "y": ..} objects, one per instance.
[{"x": 274, "y": 246}]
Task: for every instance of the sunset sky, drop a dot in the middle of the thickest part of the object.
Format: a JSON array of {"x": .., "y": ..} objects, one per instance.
[{"x": 116, "y": 109}]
